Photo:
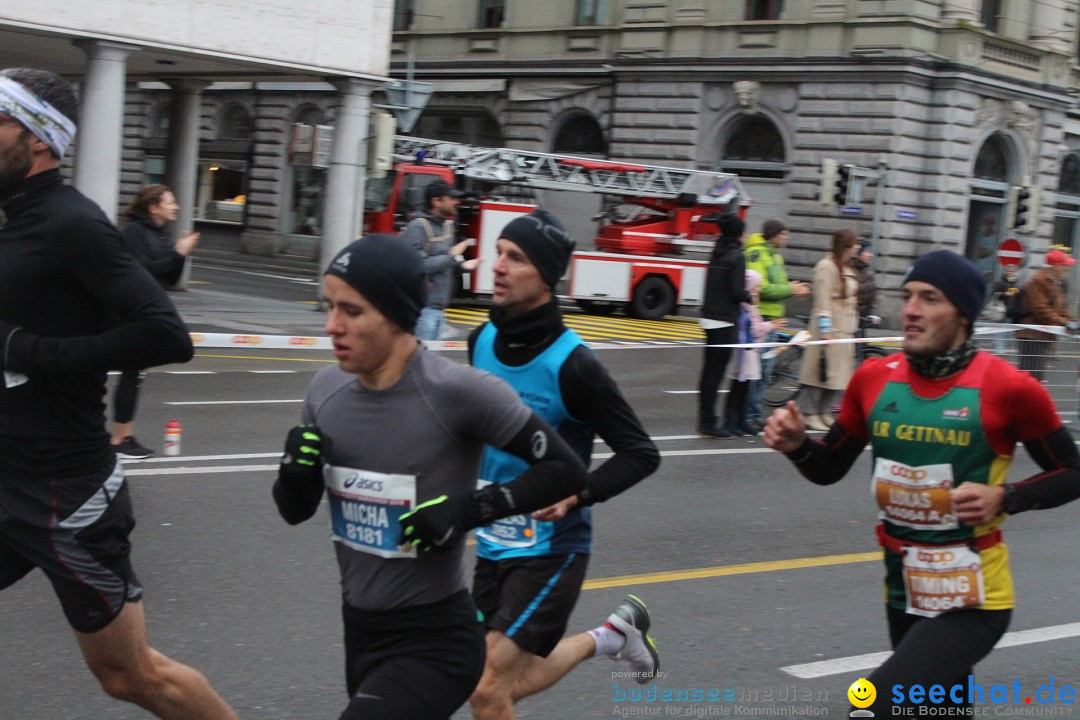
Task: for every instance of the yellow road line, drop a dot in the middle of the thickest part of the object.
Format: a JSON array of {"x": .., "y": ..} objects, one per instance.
[
  {"x": 264, "y": 357},
  {"x": 725, "y": 570}
]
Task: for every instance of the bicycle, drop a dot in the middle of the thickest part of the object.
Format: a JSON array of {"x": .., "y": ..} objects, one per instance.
[{"x": 784, "y": 384}]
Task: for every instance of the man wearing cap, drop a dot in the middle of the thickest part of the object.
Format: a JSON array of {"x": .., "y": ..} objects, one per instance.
[
  {"x": 1044, "y": 302},
  {"x": 393, "y": 436},
  {"x": 763, "y": 256},
  {"x": 75, "y": 304},
  {"x": 431, "y": 232},
  {"x": 530, "y": 568},
  {"x": 943, "y": 420}
]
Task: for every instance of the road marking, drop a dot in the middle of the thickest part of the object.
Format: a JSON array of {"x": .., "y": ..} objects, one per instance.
[
  {"x": 869, "y": 661},
  {"x": 206, "y": 470},
  {"x": 726, "y": 570},
  {"x": 271, "y": 372},
  {"x": 203, "y": 458},
  {"x": 230, "y": 402},
  {"x": 190, "y": 372},
  {"x": 324, "y": 361}
]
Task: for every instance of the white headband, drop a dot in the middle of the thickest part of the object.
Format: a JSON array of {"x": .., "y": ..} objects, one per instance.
[{"x": 49, "y": 124}]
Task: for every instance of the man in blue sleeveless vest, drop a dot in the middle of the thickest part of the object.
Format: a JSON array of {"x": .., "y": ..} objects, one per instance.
[{"x": 530, "y": 567}]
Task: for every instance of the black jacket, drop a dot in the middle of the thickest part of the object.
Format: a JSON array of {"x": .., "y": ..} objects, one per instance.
[
  {"x": 153, "y": 248},
  {"x": 725, "y": 283},
  {"x": 73, "y": 305}
]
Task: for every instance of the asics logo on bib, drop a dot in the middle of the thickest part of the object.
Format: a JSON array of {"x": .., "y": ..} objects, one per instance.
[
  {"x": 355, "y": 482},
  {"x": 937, "y": 556},
  {"x": 908, "y": 473},
  {"x": 539, "y": 444}
]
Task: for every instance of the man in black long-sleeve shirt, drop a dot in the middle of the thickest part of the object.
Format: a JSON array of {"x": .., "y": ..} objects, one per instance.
[
  {"x": 530, "y": 568},
  {"x": 73, "y": 305}
]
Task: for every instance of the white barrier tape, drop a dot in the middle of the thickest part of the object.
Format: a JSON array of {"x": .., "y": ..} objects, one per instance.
[
  {"x": 290, "y": 342},
  {"x": 801, "y": 338}
]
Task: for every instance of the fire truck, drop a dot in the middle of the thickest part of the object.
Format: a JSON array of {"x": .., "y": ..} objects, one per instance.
[{"x": 650, "y": 225}]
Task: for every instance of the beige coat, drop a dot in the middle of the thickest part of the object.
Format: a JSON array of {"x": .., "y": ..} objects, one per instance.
[{"x": 840, "y": 359}]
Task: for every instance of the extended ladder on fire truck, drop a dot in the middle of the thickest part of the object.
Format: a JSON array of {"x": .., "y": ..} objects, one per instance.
[
  {"x": 639, "y": 262},
  {"x": 552, "y": 171}
]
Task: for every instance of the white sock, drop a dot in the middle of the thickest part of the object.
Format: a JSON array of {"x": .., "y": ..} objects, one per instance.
[{"x": 608, "y": 640}]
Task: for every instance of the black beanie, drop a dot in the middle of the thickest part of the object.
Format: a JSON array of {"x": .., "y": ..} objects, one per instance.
[
  {"x": 731, "y": 226},
  {"x": 388, "y": 272},
  {"x": 954, "y": 275},
  {"x": 542, "y": 237}
]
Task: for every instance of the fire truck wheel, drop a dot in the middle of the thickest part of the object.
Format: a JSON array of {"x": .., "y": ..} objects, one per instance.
[
  {"x": 654, "y": 297},
  {"x": 592, "y": 307}
]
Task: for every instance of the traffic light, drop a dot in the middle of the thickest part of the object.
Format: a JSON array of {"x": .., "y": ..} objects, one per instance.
[
  {"x": 1023, "y": 206},
  {"x": 843, "y": 180},
  {"x": 827, "y": 190},
  {"x": 1027, "y": 209}
]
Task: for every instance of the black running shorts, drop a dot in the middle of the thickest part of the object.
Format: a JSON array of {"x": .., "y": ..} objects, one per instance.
[
  {"x": 530, "y": 599},
  {"x": 413, "y": 662},
  {"x": 76, "y": 530}
]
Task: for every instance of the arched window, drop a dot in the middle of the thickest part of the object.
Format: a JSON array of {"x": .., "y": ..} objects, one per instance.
[
  {"x": 235, "y": 123},
  {"x": 310, "y": 115},
  {"x": 987, "y": 208},
  {"x": 754, "y": 150},
  {"x": 991, "y": 163},
  {"x": 580, "y": 134}
]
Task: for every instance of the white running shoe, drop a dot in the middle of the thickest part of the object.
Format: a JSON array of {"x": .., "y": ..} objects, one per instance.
[{"x": 632, "y": 620}]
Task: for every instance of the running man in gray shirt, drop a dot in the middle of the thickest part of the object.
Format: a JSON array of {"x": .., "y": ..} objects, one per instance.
[{"x": 394, "y": 435}]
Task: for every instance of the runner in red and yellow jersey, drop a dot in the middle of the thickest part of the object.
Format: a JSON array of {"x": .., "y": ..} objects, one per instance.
[{"x": 943, "y": 420}]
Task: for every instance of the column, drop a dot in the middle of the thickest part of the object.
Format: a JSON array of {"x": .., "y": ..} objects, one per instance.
[
  {"x": 344, "y": 201},
  {"x": 1050, "y": 25},
  {"x": 182, "y": 154},
  {"x": 99, "y": 141},
  {"x": 956, "y": 11}
]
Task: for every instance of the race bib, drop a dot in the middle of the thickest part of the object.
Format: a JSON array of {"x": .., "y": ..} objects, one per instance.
[
  {"x": 915, "y": 497},
  {"x": 942, "y": 578},
  {"x": 517, "y": 531},
  {"x": 366, "y": 509}
]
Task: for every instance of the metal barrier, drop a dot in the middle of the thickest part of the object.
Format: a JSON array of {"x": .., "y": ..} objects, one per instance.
[{"x": 1051, "y": 354}]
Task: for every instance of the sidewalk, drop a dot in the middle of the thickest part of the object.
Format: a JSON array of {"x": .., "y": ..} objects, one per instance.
[{"x": 215, "y": 311}]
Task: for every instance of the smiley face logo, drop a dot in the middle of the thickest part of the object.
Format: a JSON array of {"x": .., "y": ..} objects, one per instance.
[{"x": 862, "y": 693}]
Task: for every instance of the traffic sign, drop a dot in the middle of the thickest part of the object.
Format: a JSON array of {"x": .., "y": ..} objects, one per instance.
[{"x": 1011, "y": 252}]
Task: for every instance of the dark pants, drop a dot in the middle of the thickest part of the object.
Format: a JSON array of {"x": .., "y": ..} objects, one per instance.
[
  {"x": 413, "y": 662},
  {"x": 712, "y": 371},
  {"x": 737, "y": 414},
  {"x": 126, "y": 395},
  {"x": 941, "y": 650},
  {"x": 1034, "y": 356}
]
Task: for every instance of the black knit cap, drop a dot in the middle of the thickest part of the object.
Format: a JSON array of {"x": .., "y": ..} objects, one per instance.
[
  {"x": 954, "y": 275},
  {"x": 731, "y": 225},
  {"x": 542, "y": 237},
  {"x": 388, "y": 272}
]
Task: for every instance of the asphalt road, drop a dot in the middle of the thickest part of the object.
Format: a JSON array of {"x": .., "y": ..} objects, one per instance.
[{"x": 747, "y": 568}]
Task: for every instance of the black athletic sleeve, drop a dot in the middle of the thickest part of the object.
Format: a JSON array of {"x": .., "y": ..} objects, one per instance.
[
  {"x": 1057, "y": 484},
  {"x": 149, "y": 331},
  {"x": 297, "y": 493},
  {"x": 825, "y": 462},
  {"x": 554, "y": 473},
  {"x": 592, "y": 397}
]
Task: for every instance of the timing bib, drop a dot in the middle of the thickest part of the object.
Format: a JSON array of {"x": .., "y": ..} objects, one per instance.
[
  {"x": 942, "y": 578},
  {"x": 366, "y": 509},
  {"x": 915, "y": 497},
  {"x": 517, "y": 531}
]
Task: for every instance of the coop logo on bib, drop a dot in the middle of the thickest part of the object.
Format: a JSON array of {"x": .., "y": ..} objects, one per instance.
[{"x": 915, "y": 497}]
